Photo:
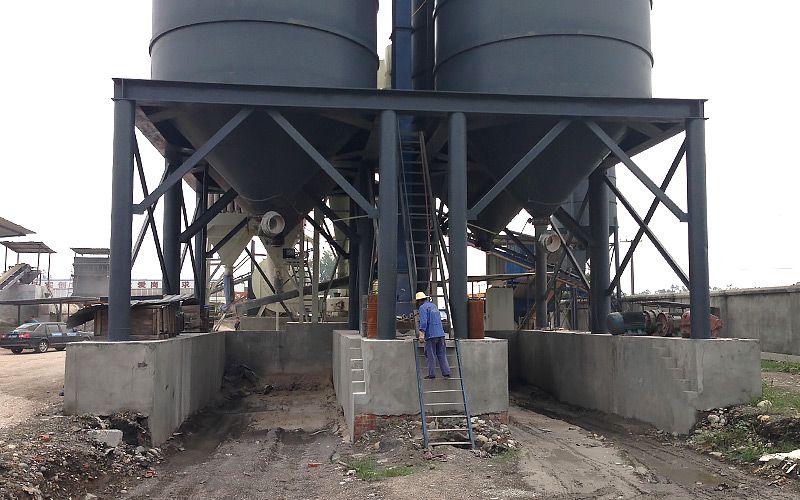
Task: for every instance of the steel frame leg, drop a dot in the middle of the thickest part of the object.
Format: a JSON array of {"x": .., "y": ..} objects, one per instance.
[
  {"x": 172, "y": 231},
  {"x": 353, "y": 266},
  {"x": 119, "y": 290},
  {"x": 387, "y": 227},
  {"x": 541, "y": 282},
  {"x": 365, "y": 243},
  {"x": 200, "y": 248},
  {"x": 699, "y": 299},
  {"x": 600, "y": 300},
  {"x": 457, "y": 200}
]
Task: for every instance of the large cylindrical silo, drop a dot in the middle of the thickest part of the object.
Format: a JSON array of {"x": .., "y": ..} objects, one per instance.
[
  {"x": 577, "y": 48},
  {"x": 266, "y": 42}
]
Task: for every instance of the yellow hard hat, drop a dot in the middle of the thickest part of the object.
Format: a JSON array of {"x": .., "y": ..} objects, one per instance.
[{"x": 421, "y": 296}]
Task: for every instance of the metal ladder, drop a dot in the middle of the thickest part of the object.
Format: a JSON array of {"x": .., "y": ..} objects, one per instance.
[
  {"x": 425, "y": 246},
  {"x": 443, "y": 413},
  {"x": 302, "y": 276},
  {"x": 416, "y": 211}
]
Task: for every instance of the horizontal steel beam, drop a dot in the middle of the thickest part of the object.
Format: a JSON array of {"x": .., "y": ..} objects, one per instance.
[{"x": 154, "y": 92}]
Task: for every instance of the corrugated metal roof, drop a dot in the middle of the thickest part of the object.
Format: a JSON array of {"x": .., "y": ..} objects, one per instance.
[
  {"x": 87, "y": 313},
  {"x": 91, "y": 251},
  {"x": 27, "y": 247},
  {"x": 10, "y": 230}
]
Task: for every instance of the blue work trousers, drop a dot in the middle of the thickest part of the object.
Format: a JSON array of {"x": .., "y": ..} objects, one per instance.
[{"x": 436, "y": 348}]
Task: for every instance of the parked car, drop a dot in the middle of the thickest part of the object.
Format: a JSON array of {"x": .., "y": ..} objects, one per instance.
[{"x": 42, "y": 336}]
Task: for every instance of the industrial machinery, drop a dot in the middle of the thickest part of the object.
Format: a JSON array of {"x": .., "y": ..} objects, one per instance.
[
  {"x": 658, "y": 323},
  {"x": 509, "y": 106}
]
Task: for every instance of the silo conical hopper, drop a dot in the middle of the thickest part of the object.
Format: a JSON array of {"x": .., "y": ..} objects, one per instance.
[
  {"x": 576, "y": 48},
  {"x": 305, "y": 43}
]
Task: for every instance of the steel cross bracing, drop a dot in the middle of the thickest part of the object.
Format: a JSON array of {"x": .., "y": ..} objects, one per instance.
[{"x": 649, "y": 122}]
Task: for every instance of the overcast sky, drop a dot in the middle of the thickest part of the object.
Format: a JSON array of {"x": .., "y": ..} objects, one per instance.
[{"x": 55, "y": 155}]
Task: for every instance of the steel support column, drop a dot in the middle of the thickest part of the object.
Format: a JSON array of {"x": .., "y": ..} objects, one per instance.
[
  {"x": 352, "y": 264},
  {"x": 600, "y": 301},
  {"x": 457, "y": 201},
  {"x": 366, "y": 240},
  {"x": 541, "y": 281},
  {"x": 172, "y": 230},
  {"x": 200, "y": 245},
  {"x": 387, "y": 228},
  {"x": 119, "y": 290},
  {"x": 699, "y": 299},
  {"x": 227, "y": 285},
  {"x": 315, "y": 268}
]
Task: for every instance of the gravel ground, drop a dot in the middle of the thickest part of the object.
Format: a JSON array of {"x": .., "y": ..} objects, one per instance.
[
  {"x": 29, "y": 383},
  {"x": 289, "y": 444}
]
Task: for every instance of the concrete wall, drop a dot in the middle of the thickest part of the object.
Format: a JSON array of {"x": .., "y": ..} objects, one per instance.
[
  {"x": 770, "y": 315},
  {"x": 348, "y": 375},
  {"x": 166, "y": 380},
  {"x": 662, "y": 381},
  {"x": 303, "y": 351},
  {"x": 389, "y": 386}
]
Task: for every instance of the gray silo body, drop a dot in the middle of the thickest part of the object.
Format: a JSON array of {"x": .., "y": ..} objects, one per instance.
[
  {"x": 307, "y": 43},
  {"x": 575, "y": 48}
]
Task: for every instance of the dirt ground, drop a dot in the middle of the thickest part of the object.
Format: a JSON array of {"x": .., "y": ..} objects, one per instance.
[
  {"x": 287, "y": 445},
  {"x": 29, "y": 383},
  {"x": 787, "y": 381},
  {"x": 291, "y": 444}
]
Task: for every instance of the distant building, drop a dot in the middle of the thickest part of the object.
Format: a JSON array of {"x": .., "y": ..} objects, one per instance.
[{"x": 91, "y": 271}]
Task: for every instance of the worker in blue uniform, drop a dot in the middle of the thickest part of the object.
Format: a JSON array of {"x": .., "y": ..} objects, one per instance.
[{"x": 430, "y": 325}]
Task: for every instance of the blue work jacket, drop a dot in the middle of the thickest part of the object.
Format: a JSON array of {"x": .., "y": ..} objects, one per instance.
[{"x": 430, "y": 320}]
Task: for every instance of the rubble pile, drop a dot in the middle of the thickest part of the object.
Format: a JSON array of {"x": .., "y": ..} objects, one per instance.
[
  {"x": 751, "y": 434},
  {"x": 788, "y": 463},
  {"x": 57, "y": 456},
  {"x": 492, "y": 437}
]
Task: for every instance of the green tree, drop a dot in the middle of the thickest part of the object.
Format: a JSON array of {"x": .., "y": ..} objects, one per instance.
[{"x": 327, "y": 261}]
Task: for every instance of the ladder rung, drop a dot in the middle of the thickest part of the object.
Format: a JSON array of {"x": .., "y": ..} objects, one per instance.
[
  {"x": 444, "y": 404},
  {"x": 442, "y": 443},
  {"x": 445, "y": 416},
  {"x": 439, "y": 392},
  {"x": 447, "y": 430}
]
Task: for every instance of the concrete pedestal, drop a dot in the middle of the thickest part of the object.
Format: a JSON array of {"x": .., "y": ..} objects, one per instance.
[
  {"x": 375, "y": 380},
  {"x": 662, "y": 381}
]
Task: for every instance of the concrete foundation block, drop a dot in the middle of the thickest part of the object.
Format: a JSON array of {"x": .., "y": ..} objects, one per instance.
[
  {"x": 167, "y": 380},
  {"x": 662, "y": 381},
  {"x": 389, "y": 386}
]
